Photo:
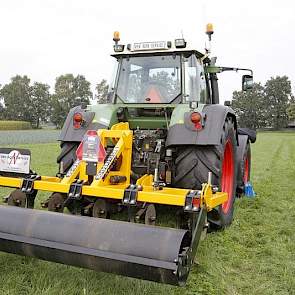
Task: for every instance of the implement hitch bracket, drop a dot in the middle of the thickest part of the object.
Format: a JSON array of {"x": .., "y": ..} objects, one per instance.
[
  {"x": 28, "y": 183},
  {"x": 130, "y": 195}
]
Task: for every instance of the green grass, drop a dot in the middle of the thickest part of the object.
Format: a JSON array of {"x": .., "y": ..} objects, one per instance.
[{"x": 256, "y": 255}]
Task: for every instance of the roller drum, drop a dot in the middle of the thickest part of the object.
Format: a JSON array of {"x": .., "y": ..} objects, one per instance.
[{"x": 136, "y": 250}]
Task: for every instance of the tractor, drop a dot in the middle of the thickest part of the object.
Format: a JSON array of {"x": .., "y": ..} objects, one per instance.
[{"x": 162, "y": 148}]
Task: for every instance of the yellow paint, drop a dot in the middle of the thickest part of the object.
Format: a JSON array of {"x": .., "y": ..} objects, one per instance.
[
  {"x": 102, "y": 187},
  {"x": 211, "y": 200}
]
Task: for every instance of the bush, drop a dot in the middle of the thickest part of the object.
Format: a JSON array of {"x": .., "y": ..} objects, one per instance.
[{"x": 15, "y": 125}]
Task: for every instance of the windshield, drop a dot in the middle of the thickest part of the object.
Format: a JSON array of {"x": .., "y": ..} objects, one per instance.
[{"x": 149, "y": 79}]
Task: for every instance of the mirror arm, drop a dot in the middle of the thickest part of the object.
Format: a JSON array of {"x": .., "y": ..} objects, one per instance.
[
  {"x": 223, "y": 69},
  {"x": 216, "y": 70}
]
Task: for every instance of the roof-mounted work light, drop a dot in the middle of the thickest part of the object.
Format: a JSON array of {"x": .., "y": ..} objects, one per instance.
[{"x": 180, "y": 43}]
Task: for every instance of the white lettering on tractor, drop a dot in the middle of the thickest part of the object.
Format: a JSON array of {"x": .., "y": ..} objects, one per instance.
[
  {"x": 73, "y": 168},
  {"x": 107, "y": 165}
]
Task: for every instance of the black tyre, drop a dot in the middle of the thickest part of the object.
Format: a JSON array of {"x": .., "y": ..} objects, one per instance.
[
  {"x": 245, "y": 165},
  {"x": 67, "y": 156},
  {"x": 194, "y": 162}
]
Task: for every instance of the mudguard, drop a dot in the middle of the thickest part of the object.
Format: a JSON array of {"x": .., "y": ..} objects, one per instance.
[
  {"x": 210, "y": 134},
  {"x": 71, "y": 134},
  {"x": 249, "y": 132}
]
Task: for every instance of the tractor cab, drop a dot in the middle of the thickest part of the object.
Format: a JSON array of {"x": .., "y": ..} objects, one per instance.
[
  {"x": 161, "y": 72},
  {"x": 167, "y": 72}
]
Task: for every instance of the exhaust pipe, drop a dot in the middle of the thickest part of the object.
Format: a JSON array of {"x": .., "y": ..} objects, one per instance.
[{"x": 129, "y": 249}]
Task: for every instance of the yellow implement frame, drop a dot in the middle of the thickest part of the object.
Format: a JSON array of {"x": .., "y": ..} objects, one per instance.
[{"x": 118, "y": 163}]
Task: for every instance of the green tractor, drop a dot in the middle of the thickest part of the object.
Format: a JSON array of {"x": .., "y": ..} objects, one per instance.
[
  {"x": 162, "y": 146},
  {"x": 168, "y": 93}
]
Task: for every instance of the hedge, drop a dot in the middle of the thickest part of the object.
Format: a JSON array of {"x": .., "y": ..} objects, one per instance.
[{"x": 15, "y": 125}]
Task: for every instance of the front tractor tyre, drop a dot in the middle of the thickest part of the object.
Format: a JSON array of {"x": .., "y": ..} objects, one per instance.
[
  {"x": 193, "y": 163},
  {"x": 244, "y": 169}
]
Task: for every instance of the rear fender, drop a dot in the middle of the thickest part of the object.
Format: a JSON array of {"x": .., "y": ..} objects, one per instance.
[
  {"x": 210, "y": 134},
  {"x": 70, "y": 133}
]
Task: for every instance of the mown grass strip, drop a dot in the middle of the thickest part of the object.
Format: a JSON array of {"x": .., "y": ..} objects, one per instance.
[
  {"x": 17, "y": 137},
  {"x": 15, "y": 125}
]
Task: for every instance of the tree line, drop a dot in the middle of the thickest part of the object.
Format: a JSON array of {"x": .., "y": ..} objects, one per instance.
[
  {"x": 20, "y": 99},
  {"x": 266, "y": 106}
]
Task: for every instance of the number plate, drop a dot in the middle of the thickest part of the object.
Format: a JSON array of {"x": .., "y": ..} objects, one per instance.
[
  {"x": 150, "y": 45},
  {"x": 15, "y": 160}
]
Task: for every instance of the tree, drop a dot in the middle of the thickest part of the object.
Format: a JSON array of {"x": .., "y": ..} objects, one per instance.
[
  {"x": 264, "y": 106},
  {"x": 101, "y": 94},
  {"x": 25, "y": 102},
  {"x": 278, "y": 96},
  {"x": 1, "y": 111},
  {"x": 249, "y": 108},
  {"x": 82, "y": 91},
  {"x": 58, "y": 113},
  {"x": 291, "y": 112},
  {"x": 40, "y": 103},
  {"x": 1, "y": 107},
  {"x": 16, "y": 97},
  {"x": 70, "y": 91}
]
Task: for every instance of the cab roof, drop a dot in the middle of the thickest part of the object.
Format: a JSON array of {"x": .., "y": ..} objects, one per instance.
[{"x": 131, "y": 50}]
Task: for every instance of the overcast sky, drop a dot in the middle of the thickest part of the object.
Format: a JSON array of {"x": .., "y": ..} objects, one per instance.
[{"x": 47, "y": 38}]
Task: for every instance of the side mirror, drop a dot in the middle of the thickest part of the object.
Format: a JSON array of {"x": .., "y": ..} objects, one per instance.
[
  {"x": 247, "y": 82},
  {"x": 227, "y": 103}
]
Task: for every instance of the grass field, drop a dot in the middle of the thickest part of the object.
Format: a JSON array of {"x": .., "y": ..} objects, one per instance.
[
  {"x": 256, "y": 255},
  {"x": 28, "y": 136},
  {"x": 15, "y": 125}
]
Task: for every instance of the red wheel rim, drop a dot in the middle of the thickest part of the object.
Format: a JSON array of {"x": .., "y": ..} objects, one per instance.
[
  {"x": 227, "y": 178},
  {"x": 246, "y": 170}
]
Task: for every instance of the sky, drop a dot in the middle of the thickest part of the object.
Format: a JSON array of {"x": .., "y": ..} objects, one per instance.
[{"x": 46, "y": 38}]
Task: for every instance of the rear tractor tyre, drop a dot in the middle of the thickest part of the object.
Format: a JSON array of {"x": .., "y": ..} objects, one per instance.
[{"x": 193, "y": 164}]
